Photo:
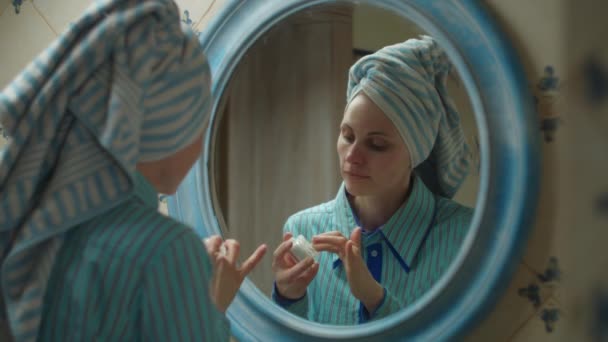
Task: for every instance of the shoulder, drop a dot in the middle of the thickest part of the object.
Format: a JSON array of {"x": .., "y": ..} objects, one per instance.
[
  {"x": 313, "y": 213},
  {"x": 452, "y": 220},
  {"x": 309, "y": 218},
  {"x": 449, "y": 211},
  {"x": 134, "y": 233}
]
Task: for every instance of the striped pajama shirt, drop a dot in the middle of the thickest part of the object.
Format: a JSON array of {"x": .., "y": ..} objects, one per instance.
[
  {"x": 407, "y": 255},
  {"x": 131, "y": 275}
]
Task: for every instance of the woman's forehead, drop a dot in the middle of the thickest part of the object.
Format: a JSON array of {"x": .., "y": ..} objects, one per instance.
[{"x": 364, "y": 114}]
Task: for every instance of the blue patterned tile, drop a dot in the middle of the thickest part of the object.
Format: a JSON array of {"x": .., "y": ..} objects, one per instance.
[
  {"x": 17, "y": 5},
  {"x": 546, "y": 93},
  {"x": 549, "y": 126},
  {"x": 549, "y": 81},
  {"x": 532, "y": 293},
  {"x": 188, "y": 21},
  {"x": 550, "y": 316},
  {"x": 548, "y": 279},
  {"x": 552, "y": 273},
  {"x": 186, "y": 18},
  {"x": 595, "y": 81}
]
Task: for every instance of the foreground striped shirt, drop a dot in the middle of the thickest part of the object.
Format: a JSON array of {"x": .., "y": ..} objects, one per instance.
[
  {"x": 407, "y": 255},
  {"x": 131, "y": 275}
]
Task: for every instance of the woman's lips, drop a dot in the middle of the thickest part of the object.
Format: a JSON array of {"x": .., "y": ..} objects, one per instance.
[{"x": 355, "y": 175}]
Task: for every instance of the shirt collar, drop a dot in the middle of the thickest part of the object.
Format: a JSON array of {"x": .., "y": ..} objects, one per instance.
[
  {"x": 144, "y": 191},
  {"x": 406, "y": 230}
]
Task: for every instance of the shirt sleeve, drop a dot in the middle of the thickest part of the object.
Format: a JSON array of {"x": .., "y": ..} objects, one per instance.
[
  {"x": 389, "y": 305},
  {"x": 176, "y": 301},
  {"x": 298, "y": 307}
]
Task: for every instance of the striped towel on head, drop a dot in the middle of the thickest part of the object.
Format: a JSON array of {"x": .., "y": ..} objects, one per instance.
[
  {"x": 407, "y": 81},
  {"x": 126, "y": 83}
]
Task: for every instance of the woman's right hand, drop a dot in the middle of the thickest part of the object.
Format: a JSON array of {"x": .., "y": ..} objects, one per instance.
[
  {"x": 227, "y": 274},
  {"x": 291, "y": 277}
]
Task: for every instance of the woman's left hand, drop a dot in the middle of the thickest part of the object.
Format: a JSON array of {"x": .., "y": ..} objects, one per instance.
[{"x": 362, "y": 284}]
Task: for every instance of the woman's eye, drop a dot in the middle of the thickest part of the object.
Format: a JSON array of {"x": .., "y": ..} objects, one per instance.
[
  {"x": 378, "y": 145},
  {"x": 378, "y": 148},
  {"x": 348, "y": 138}
]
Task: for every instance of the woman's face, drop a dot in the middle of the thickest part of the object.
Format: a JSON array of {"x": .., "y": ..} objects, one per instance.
[{"x": 374, "y": 160}]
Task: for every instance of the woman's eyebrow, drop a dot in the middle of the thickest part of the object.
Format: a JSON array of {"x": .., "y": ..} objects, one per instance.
[{"x": 378, "y": 133}]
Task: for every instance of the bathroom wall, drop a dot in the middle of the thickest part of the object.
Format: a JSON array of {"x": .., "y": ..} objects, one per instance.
[{"x": 560, "y": 290}]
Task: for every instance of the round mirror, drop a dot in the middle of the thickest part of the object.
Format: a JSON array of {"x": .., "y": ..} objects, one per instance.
[
  {"x": 281, "y": 74},
  {"x": 273, "y": 148}
]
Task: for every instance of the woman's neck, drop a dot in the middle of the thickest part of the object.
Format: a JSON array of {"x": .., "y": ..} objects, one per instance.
[{"x": 374, "y": 211}]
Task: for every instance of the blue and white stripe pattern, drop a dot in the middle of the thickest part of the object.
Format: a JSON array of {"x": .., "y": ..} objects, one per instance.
[
  {"x": 407, "y": 81},
  {"x": 407, "y": 255},
  {"x": 126, "y": 83},
  {"x": 132, "y": 274}
]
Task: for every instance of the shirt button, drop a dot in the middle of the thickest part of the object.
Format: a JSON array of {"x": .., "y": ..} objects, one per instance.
[{"x": 374, "y": 253}]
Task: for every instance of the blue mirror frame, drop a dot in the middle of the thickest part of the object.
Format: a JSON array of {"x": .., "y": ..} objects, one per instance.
[{"x": 510, "y": 170}]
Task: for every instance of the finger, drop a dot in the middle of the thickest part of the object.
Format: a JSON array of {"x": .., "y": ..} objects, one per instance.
[
  {"x": 332, "y": 233},
  {"x": 289, "y": 260},
  {"x": 253, "y": 260},
  {"x": 283, "y": 248},
  {"x": 222, "y": 250},
  {"x": 293, "y": 273},
  {"x": 232, "y": 250},
  {"x": 351, "y": 252},
  {"x": 330, "y": 245},
  {"x": 356, "y": 251},
  {"x": 337, "y": 240},
  {"x": 309, "y": 274},
  {"x": 355, "y": 237},
  {"x": 213, "y": 242},
  {"x": 212, "y": 245},
  {"x": 287, "y": 236},
  {"x": 348, "y": 253},
  {"x": 285, "y": 262},
  {"x": 327, "y": 247}
]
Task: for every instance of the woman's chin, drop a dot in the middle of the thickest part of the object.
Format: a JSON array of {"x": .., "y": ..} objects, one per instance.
[{"x": 356, "y": 188}]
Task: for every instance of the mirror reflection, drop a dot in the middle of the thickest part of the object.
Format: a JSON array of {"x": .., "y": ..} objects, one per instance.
[{"x": 348, "y": 126}]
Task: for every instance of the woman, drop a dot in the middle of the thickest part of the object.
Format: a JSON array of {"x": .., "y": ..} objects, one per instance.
[
  {"x": 110, "y": 115},
  {"x": 391, "y": 231}
]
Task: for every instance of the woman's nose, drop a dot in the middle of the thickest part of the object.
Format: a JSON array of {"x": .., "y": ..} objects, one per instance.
[{"x": 354, "y": 154}]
